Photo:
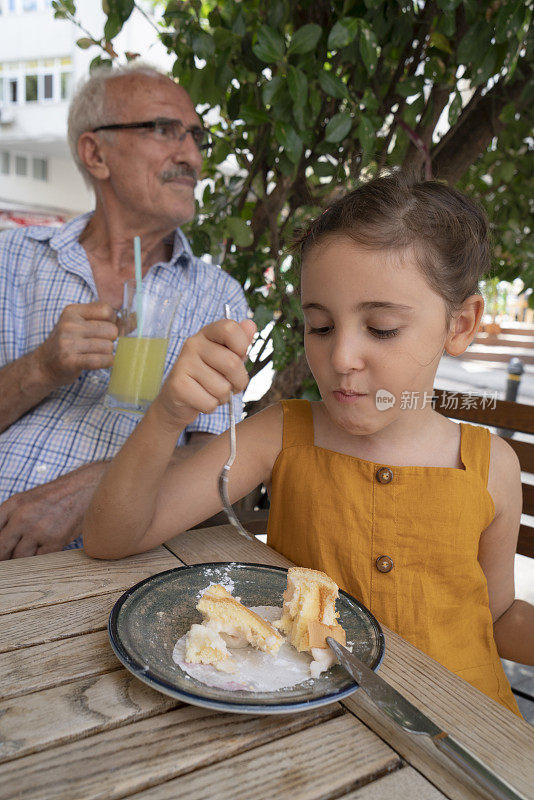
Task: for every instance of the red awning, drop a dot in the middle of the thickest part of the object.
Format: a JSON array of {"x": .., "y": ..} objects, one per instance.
[{"x": 19, "y": 218}]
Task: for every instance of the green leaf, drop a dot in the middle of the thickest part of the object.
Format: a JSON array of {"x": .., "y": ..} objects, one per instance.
[
  {"x": 203, "y": 45},
  {"x": 509, "y": 20},
  {"x": 275, "y": 12},
  {"x": 221, "y": 151},
  {"x": 287, "y": 136},
  {"x": 508, "y": 113},
  {"x": 343, "y": 33},
  {"x": 369, "y": 100},
  {"x": 286, "y": 165},
  {"x": 85, "y": 43},
  {"x": 324, "y": 169},
  {"x": 332, "y": 85},
  {"x": 298, "y": 85},
  {"x": 410, "y": 86},
  {"x": 447, "y": 24},
  {"x": 263, "y": 315},
  {"x": 99, "y": 62},
  {"x": 254, "y": 116},
  {"x": 270, "y": 46},
  {"x": 123, "y": 8},
  {"x": 315, "y": 103},
  {"x": 434, "y": 69},
  {"x": 270, "y": 89},
  {"x": 239, "y": 26},
  {"x": 448, "y": 5},
  {"x": 507, "y": 171},
  {"x": 474, "y": 45},
  {"x": 299, "y": 115},
  {"x": 440, "y": 41},
  {"x": 225, "y": 39},
  {"x": 338, "y": 127},
  {"x": 112, "y": 27},
  {"x": 305, "y": 39},
  {"x": 413, "y": 109},
  {"x": 455, "y": 108},
  {"x": 238, "y": 230},
  {"x": 487, "y": 68},
  {"x": 366, "y": 135},
  {"x": 368, "y": 49}
]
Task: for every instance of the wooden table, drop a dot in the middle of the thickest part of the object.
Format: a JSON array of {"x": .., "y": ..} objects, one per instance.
[{"x": 75, "y": 725}]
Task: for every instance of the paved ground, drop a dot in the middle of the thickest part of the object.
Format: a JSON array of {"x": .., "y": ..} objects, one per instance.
[{"x": 482, "y": 376}]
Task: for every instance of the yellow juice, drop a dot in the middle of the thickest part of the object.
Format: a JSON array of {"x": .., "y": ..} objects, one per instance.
[{"x": 137, "y": 369}]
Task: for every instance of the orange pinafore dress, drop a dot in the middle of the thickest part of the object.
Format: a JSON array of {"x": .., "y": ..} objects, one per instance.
[{"x": 402, "y": 540}]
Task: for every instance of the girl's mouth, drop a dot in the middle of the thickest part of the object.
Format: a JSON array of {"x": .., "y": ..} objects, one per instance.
[{"x": 343, "y": 396}]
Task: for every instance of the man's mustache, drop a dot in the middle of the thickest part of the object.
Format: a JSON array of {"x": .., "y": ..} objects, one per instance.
[{"x": 179, "y": 171}]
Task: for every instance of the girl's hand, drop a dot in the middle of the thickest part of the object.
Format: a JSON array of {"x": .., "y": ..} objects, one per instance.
[{"x": 209, "y": 368}]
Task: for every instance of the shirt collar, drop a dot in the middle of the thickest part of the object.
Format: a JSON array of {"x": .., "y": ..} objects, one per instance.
[
  {"x": 181, "y": 249},
  {"x": 65, "y": 236},
  {"x": 68, "y": 235}
]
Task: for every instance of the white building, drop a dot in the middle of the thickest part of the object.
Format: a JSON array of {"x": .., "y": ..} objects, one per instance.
[{"x": 40, "y": 64}]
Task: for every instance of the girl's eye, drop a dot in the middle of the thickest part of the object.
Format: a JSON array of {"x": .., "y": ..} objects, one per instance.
[
  {"x": 321, "y": 331},
  {"x": 384, "y": 334}
]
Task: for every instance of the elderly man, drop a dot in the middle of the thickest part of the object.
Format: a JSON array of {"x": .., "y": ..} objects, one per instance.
[{"x": 136, "y": 137}]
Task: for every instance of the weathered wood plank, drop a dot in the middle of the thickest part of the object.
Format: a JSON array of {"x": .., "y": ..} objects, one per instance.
[
  {"x": 65, "y": 713},
  {"x": 313, "y": 764},
  {"x": 55, "y": 663},
  {"x": 506, "y": 414},
  {"x": 60, "y": 621},
  {"x": 495, "y": 735},
  {"x": 222, "y": 544},
  {"x": 134, "y": 757},
  {"x": 69, "y": 575},
  {"x": 474, "y": 719},
  {"x": 404, "y": 784}
]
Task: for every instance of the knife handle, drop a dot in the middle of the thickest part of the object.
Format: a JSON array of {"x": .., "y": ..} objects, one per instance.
[{"x": 486, "y": 780}]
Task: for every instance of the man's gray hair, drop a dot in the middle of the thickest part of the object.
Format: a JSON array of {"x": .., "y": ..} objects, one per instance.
[{"x": 89, "y": 107}]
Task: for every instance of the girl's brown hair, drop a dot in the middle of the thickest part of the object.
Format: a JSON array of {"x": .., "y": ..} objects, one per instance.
[{"x": 447, "y": 232}]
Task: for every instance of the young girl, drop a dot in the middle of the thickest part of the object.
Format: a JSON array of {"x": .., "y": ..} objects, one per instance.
[{"x": 413, "y": 514}]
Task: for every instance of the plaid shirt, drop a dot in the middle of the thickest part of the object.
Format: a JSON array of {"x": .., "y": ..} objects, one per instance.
[{"x": 42, "y": 270}]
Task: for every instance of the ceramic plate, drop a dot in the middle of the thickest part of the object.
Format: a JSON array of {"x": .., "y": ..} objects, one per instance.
[{"x": 149, "y": 618}]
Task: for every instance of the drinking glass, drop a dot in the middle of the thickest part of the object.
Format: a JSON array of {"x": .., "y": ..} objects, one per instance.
[{"x": 144, "y": 324}]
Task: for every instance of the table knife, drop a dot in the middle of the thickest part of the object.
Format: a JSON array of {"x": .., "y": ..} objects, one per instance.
[{"x": 407, "y": 716}]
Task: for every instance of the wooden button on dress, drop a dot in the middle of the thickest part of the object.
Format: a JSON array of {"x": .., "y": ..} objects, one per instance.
[
  {"x": 384, "y": 475},
  {"x": 384, "y": 564}
]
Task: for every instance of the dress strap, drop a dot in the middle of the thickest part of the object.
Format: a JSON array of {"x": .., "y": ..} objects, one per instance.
[
  {"x": 298, "y": 423},
  {"x": 475, "y": 449}
]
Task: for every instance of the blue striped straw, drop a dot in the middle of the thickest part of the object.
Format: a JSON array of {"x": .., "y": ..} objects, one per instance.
[{"x": 138, "y": 285}]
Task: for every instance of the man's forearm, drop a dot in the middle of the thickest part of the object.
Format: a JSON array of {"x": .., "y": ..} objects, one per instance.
[
  {"x": 46, "y": 518},
  {"x": 514, "y": 633},
  {"x": 23, "y": 384}
]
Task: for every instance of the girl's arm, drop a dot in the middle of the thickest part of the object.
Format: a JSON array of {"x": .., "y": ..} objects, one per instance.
[
  {"x": 142, "y": 500},
  {"x": 513, "y": 620}
]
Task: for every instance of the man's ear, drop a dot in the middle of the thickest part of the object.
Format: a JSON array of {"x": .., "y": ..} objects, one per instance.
[
  {"x": 91, "y": 156},
  {"x": 464, "y": 325}
]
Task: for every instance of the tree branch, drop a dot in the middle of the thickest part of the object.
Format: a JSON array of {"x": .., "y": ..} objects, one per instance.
[{"x": 460, "y": 147}]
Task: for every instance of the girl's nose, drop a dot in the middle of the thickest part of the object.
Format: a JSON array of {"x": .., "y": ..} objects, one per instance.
[{"x": 347, "y": 354}]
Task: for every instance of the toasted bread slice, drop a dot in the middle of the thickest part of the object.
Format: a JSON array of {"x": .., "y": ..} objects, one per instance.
[
  {"x": 226, "y": 615},
  {"x": 310, "y": 596}
]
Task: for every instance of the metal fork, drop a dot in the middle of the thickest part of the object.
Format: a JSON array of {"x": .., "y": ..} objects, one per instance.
[{"x": 223, "y": 476}]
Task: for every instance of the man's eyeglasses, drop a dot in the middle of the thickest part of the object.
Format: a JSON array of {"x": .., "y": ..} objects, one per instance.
[{"x": 166, "y": 130}]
